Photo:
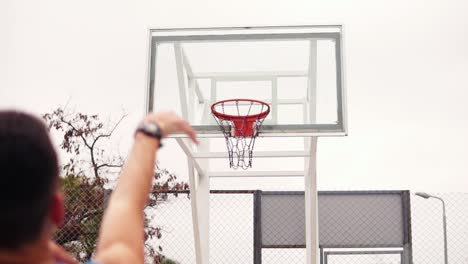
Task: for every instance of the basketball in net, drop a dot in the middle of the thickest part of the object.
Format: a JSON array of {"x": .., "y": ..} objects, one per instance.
[{"x": 240, "y": 121}]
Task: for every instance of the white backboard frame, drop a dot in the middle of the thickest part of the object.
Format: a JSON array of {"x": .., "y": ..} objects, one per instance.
[{"x": 314, "y": 32}]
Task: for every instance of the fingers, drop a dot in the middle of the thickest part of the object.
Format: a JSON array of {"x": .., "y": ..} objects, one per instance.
[
  {"x": 187, "y": 129},
  {"x": 171, "y": 123}
]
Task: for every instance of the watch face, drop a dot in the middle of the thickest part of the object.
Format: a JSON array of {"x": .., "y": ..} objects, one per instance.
[{"x": 153, "y": 128}]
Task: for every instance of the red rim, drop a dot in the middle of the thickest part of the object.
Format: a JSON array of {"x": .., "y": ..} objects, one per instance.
[{"x": 236, "y": 117}]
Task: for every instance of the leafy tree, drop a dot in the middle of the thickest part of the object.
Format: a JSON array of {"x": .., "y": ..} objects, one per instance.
[
  {"x": 84, "y": 210},
  {"x": 85, "y": 176},
  {"x": 169, "y": 261}
]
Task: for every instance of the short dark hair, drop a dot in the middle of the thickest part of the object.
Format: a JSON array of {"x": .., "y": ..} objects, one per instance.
[{"x": 28, "y": 176}]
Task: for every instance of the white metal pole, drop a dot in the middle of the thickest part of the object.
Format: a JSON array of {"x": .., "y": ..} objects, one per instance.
[
  {"x": 204, "y": 200},
  {"x": 181, "y": 80},
  {"x": 311, "y": 206},
  {"x": 194, "y": 206},
  {"x": 274, "y": 100},
  {"x": 204, "y": 195},
  {"x": 310, "y": 178}
]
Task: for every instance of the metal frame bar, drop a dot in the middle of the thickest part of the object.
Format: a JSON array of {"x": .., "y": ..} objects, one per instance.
[
  {"x": 321, "y": 254},
  {"x": 270, "y": 101},
  {"x": 213, "y": 95},
  {"x": 256, "y": 27},
  {"x": 214, "y": 191},
  {"x": 339, "y": 82},
  {"x": 190, "y": 74},
  {"x": 181, "y": 80},
  {"x": 274, "y": 99},
  {"x": 326, "y": 130},
  {"x": 257, "y": 227},
  {"x": 259, "y": 74},
  {"x": 203, "y": 196},
  {"x": 311, "y": 205},
  {"x": 245, "y": 37},
  {"x": 341, "y": 91},
  {"x": 335, "y": 246},
  {"x": 256, "y": 154},
  {"x": 200, "y": 202},
  {"x": 195, "y": 214},
  {"x": 366, "y": 252},
  {"x": 189, "y": 154},
  {"x": 408, "y": 243},
  {"x": 334, "y": 192},
  {"x": 310, "y": 164},
  {"x": 150, "y": 75},
  {"x": 374, "y": 246},
  {"x": 192, "y": 84},
  {"x": 242, "y": 174},
  {"x": 350, "y": 253}
]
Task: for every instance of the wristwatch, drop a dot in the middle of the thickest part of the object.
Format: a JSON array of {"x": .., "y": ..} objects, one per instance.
[{"x": 151, "y": 129}]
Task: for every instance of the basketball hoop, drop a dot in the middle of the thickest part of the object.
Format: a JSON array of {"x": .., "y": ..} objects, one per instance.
[{"x": 240, "y": 121}]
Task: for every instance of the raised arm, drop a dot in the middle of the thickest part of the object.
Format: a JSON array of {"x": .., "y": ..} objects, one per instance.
[{"x": 121, "y": 238}]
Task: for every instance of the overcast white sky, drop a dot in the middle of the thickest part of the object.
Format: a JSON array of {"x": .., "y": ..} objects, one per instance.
[{"x": 407, "y": 68}]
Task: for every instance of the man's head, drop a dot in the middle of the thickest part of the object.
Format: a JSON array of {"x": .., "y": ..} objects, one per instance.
[{"x": 29, "y": 200}]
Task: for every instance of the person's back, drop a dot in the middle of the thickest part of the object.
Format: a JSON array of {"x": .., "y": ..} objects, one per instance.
[{"x": 31, "y": 205}]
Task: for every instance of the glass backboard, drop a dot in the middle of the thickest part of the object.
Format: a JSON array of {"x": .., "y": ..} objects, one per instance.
[{"x": 298, "y": 71}]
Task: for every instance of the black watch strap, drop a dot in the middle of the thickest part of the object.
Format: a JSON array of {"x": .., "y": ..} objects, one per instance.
[{"x": 151, "y": 129}]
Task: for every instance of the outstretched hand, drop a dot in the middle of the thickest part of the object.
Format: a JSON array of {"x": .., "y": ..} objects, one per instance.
[{"x": 171, "y": 123}]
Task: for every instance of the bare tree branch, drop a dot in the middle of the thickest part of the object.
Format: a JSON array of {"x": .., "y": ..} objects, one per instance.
[
  {"x": 76, "y": 130},
  {"x": 105, "y": 165},
  {"x": 110, "y": 132}
]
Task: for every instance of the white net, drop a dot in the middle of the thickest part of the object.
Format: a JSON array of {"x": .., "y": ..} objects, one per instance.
[{"x": 240, "y": 121}]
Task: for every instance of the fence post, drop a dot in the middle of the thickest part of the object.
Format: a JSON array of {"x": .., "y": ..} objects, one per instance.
[
  {"x": 408, "y": 243},
  {"x": 321, "y": 254},
  {"x": 325, "y": 258},
  {"x": 257, "y": 227}
]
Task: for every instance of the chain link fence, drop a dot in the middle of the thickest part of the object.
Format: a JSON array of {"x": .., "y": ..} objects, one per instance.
[{"x": 232, "y": 238}]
